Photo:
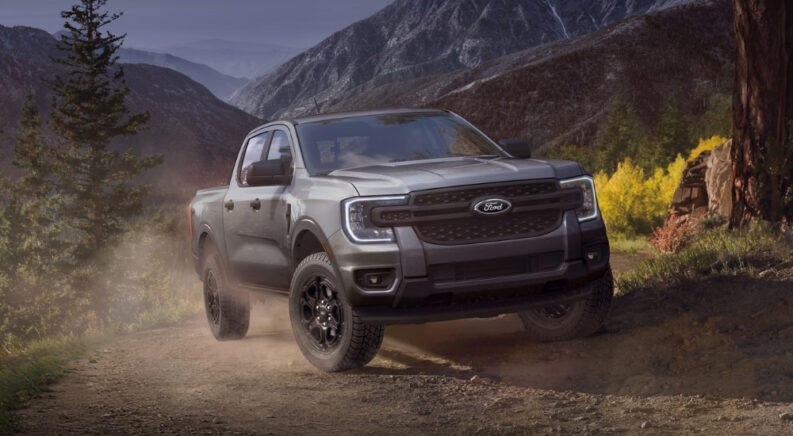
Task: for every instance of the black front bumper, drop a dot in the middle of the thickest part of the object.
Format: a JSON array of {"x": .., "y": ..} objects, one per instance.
[
  {"x": 479, "y": 301},
  {"x": 436, "y": 283}
]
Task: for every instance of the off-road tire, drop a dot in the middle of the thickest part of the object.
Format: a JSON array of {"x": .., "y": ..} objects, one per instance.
[
  {"x": 358, "y": 342},
  {"x": 228, "y": 309},
  {"x": 583, "y": 317}
]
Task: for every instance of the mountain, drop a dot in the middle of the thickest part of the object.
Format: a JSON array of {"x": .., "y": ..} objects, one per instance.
[
  {"x": 222, "y": 85},
  {"x": 410, "y": 39},
  {"x": 198, "y": 134},
  {"x": 235, "y": 58},
  {"x": 560, "y": 92}
]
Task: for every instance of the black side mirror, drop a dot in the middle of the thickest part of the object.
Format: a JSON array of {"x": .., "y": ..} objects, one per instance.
[
  {"x": 268, "y": 173},
  {"x": 517, "y": 147}
]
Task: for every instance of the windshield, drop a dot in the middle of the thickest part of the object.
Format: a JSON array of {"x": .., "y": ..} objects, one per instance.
[{"x": 376, "y": 139}]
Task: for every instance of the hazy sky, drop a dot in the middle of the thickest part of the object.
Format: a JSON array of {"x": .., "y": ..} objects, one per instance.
[{"x": 159, "y": 24}]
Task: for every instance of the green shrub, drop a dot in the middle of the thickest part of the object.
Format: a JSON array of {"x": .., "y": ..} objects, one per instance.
[
  {"x": 715, "y": 251},
  {"x": 143, "y": 280}
]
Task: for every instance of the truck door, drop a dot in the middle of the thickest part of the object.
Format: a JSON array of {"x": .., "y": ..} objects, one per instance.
[{"x": 255, "y": 218}]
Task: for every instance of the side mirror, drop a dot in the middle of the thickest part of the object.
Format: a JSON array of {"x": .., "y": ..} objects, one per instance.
[
  {"x": 517, "y": 147},
  {"x": 268, "y": 173}
]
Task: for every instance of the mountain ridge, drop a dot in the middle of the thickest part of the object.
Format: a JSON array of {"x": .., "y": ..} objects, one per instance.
[
  {"x": 222, "y": 85},
  {"x": 198, "y": 134},
  {"x": 219, "y": 84},
  {"x": 410, "y": 39}
]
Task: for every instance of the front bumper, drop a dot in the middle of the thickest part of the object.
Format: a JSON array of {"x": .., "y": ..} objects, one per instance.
[{"x": 443, "y": 282}]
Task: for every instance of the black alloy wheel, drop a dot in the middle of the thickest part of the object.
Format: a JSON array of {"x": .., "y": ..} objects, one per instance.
[{"x": 321, "y": 314}]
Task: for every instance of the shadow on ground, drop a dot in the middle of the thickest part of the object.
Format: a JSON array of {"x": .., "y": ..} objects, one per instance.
[{"x": 729, "y": 337}]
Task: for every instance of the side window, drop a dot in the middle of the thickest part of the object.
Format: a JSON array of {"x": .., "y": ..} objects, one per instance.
[
  {"x": 279, "y": 142},
  {"x": 254, "y": 151}
]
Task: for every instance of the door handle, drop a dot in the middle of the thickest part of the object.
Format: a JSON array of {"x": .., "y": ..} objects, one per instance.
[
  {"x": 256, "y": 204},
  {"x": 229, "y": 204}
]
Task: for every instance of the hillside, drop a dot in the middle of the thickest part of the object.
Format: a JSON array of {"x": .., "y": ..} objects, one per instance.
[
  {"x": 198, "y": 134},
  {"x": 411, "y": 39},
  {"x": 560, "y": 92},
  {"x": 221, "y": 85}
]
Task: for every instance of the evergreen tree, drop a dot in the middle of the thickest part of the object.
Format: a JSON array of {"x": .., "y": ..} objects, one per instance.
[
  {"x": 89, "y": 112},
  {"x": 673, "y": 136},
  {"x": 32, "y": 156},
  {"x": 35, "y": 291},
  {"x": 27, "y": 201},
  {"x": 620, "y": 137}
]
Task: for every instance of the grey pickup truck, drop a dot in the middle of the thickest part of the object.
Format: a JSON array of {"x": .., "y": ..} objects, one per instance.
[{"x": 401, "y": 216}]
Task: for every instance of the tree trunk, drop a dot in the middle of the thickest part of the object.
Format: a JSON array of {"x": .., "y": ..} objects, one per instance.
[{"x": 762, "y": 150}]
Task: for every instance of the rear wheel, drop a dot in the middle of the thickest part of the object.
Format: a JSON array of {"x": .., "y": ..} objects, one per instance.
[
  {"x": 327, "y": 330},
  {"x": 561, "y": 322},
  {"x": 228, "y": 309}
]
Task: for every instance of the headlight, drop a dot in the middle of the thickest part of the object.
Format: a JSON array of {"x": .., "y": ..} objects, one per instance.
[
  {"x": 356, "y": 214},
  {"x": 589, "y": 209}
]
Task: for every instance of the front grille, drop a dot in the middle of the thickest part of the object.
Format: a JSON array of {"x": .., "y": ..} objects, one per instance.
[
  {"x": 475, "y": 229},
  {"x": 446, "y": 216},
  {"x": 467, "y": 194}
]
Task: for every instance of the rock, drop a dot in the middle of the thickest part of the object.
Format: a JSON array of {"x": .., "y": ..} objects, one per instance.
[
  {"x": 718, "y": 180},
  {"x": 787, "y": 416},
  {"x": 691, "y": 197},
  {"x": 476, "y": 379},
  {"x": 705, "y": 188},
  {"x": 645, "y": 424}
]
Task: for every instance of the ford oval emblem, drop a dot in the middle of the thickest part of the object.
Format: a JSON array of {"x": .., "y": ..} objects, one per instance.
[{"x": 492, "y": 206}]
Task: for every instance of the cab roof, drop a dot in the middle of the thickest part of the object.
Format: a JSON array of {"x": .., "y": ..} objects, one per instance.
[{"x": 328, "y": 117}]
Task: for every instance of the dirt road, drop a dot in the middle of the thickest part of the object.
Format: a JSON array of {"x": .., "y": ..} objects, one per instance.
[{"x": 711, "y": 358}]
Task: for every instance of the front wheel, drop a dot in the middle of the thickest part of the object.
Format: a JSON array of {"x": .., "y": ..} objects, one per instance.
[
  {"x": 575, "y": 320},
  {"x": 327, "y": 330}
]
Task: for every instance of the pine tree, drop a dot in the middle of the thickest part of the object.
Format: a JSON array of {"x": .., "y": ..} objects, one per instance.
[
  {"x": 89, "y": 112},
  {"x": 34, "y": 256},
  {"x": 27, "y": 209},
  {"x": 673, "y": 136},
  {"x": 620, "y": 137},
  {"x": 32, "y": 156}
]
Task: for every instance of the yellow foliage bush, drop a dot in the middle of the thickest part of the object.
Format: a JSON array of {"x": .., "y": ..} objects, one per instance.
[
  {"x": 634, "y": 204},
  {"x": 706, "y": 145}
]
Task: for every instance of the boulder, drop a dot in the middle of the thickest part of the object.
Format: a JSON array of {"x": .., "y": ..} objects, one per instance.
[
  {"x": 718, "y": 179},
  {"x": 705, "y": 188}
]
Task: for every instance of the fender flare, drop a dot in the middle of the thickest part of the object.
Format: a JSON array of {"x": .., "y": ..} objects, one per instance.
[
  {"x": 308, "y": 224},
  {"x": 301, "y": 225}
]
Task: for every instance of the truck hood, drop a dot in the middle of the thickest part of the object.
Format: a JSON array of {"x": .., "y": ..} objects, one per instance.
[{"x": 405, "y": 177}]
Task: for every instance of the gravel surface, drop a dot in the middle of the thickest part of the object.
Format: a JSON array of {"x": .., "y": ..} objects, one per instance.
[{"x": 711, "y": 357}]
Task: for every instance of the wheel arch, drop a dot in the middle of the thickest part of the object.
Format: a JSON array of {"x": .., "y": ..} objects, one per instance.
[
  {"x": 206, "y": 242},
  {"x": 308, "y": 239}
]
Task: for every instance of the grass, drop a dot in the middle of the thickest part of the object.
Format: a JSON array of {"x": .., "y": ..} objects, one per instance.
[
  {"x": 630, "y": 244},
  {"x": 715, "y": 251},
  {"x": 27, "y": 372}
]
